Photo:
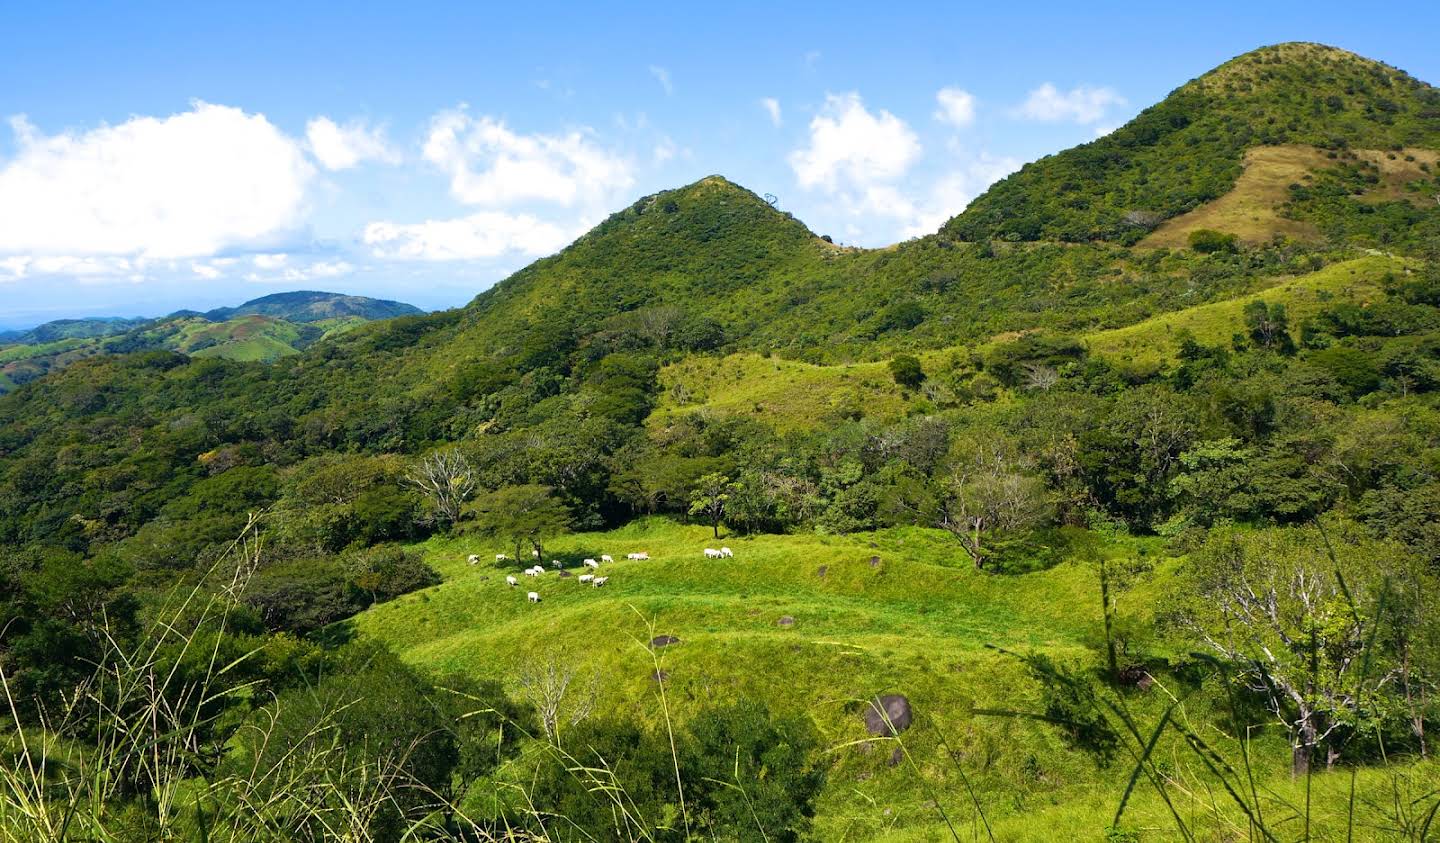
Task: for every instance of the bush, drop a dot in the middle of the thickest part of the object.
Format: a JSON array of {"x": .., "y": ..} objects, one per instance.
[
  {"x": 907, "y": 371},
  {"x": 1207, "y": 241}
]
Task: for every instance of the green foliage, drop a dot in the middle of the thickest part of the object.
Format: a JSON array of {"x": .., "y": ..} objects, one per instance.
[
  {"x": 1208, "y": 242},
  {"x": 907, "y": 371},
  {"x": 744, "y": 773},
  {"x": 1188, "y": 149},
  {"x": 1268, "y": 326},
  {"x": 524, "y": 515}
]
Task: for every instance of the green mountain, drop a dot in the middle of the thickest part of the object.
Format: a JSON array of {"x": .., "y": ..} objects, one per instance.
[
  {"x": 306, "y": 306},
  {"x": 1189, "y": 149},
  {"x": 64, "y": 329},
  {"x": 1038, "y": 463},
  {"x": 261, "y": 330}
]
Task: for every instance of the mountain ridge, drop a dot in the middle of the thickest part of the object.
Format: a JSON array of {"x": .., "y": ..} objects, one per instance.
[{"x": 1187, "y": 149}]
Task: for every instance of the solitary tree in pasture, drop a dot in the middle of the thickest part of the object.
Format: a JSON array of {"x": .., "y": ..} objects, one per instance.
[
  {"x": 527, "y": 514},
  {"x": 709, "y": 497},
  {"x": 989, "y": 489}
]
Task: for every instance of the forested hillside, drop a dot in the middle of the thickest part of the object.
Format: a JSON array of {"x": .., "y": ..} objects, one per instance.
[
  {"x": 1126, "y": 524},
  {"x": 1188, "y": 150},
  {"x": 264, "y": 330}
]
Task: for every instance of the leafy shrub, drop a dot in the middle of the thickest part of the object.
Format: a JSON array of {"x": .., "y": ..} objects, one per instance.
[
  {"x": 907, "y": 371},
  {"x": 1207, "y": 241}
]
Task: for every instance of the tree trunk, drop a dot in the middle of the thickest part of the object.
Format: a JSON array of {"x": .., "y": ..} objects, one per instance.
[
  {"x": 1303, "y": 748},
  {"x": 1299, "y": 760},
  {"x": 716, "y": 526}
]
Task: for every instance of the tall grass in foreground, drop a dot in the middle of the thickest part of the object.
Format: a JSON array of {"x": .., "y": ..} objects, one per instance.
[
  {"x": 1219, "y": 794},
  {"x": 133, "y": 752}
]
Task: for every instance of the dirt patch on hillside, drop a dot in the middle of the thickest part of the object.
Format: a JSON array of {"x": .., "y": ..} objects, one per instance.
[{"x": 1252, "y": 209}]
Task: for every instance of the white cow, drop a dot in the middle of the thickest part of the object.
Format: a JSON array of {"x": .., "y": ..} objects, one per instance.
[
  {"x": 512, "y": 581},
  {"x": 535, "y": 554},
  {"x": 712, "y": 553},
  {"x": 592, "y": 564},
  {"x": 637, "y": 556},
  {"x": 500, "y": 557},
  {"x": 555, "y": 563},
  {"x": 599, "y": 581},
  {"x": 727, "y": 553},
  {"x": 586, "y": 577},
  {"x": 534, "y": 597},
  {"x": 606, "y": 558},
  {"x": 531, "y": 572},
  {"x": 474, "y": 559}
]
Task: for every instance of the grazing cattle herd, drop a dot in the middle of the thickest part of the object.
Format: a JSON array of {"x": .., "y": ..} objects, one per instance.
[{"x": 590, "y": 579}]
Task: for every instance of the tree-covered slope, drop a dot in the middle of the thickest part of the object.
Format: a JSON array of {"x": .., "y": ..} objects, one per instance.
[
  {"x": 1188, "y": 149},
  {"x": 305, "y": 306},
  {"x": 262, "y": 330}
]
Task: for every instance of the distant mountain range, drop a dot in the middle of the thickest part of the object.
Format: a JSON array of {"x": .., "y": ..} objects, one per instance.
[{"x": 264, "y": 329}]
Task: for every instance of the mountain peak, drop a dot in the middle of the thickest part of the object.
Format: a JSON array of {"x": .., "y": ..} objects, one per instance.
[
  {"x": 1300, "y": 61},
  {"x": 302, "y": 306},
  {"x": 1189, "y": 149}
]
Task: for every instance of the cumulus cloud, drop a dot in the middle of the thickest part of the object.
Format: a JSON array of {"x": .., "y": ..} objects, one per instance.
[
  {"x": 280, "y": 269},
  {"x": 853, "y": 148},
  {"x": 339, "y": 147},
  {"x": 182, "y": 186},
  {"x": 206, "y": 271},
  {"x": 486, "y": 234},
  {"x": 1084, "y": 104},
  {"x": 491, "y": 165},
  {"x": 957, "y": 107},
  {"x": 956, "y": 189},
  {"x": 663, "y": 77},
  {"x": 772, "y": 108}
]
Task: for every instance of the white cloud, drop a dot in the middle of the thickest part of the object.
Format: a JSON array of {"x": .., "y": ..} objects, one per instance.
[
  {"x": 1102, "y": 131},
  {"x": 772, "y": 108},
  {"x": 952, "y": 192},
  {"x": 665, "y": 150},
  {"x": 957, "y": 107},
  {"x": 663, "y": 77},
  {"x": 206, "y": 271},
  {"x": 278, "y": 269},
  {"x": 181, "y": 186},
  {"x": 14, "y": 268},
  {"x": 491, "y": 165},
  {"x": 487, "y": 234},
  {"x": 1084, "y": 104},
  {"x": 853, "y": 148},
  {"x": 339, "y": 147}
]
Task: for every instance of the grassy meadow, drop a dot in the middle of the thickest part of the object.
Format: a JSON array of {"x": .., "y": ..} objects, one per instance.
[{"x": 897, "y": 611}]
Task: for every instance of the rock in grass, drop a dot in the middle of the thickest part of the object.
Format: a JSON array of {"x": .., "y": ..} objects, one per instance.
[
  {"x": 786, "y": 620},
  {"x": 888, "y": 715},
  {"x": 663, "y": 641}
]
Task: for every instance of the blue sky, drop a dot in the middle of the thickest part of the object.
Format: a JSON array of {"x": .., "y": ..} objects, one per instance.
[{"x": 158, "y": 156}]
